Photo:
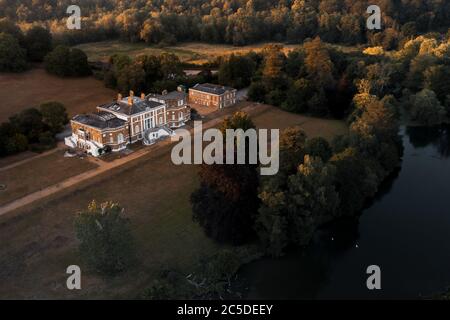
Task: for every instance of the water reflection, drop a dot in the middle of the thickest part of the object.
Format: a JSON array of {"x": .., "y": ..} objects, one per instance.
[
  {"x": 439, "y": 137},
  {"x": 404, "y": 229}
]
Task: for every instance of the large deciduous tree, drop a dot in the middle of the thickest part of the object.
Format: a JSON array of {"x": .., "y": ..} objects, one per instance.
[
  {"x": 12, "y": 56},
  {"x": 106, "y": 242},
  {"x": 226, "y": 202},
  {"x": 38, "y": 42}
]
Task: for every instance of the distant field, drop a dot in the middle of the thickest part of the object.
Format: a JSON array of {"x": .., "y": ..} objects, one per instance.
[
  {"x": 39, "y": 243},
  {"x": 191, "y": 52},
  {"x": 30, "y": 89}
]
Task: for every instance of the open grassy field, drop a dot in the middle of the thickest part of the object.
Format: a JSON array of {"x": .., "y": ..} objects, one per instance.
[
  {"x": 38, "y": 243},
  {"x": 39, "y": 173},
  {"x": 191, "y": 52},
  {"x": 30, "y": 89}
]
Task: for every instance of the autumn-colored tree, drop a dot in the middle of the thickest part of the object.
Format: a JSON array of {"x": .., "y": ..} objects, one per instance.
[
  {"x": 106, "y": 242},
  {"x": 274, "y": 60},
  {"x": 226, "y": 202},
  {"x": 318, "y": 64}
]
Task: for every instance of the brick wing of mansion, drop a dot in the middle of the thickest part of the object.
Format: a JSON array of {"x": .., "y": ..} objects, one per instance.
[{"x": 148, "y": 117}]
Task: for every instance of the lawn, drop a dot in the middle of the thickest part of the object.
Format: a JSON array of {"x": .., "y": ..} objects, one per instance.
[
  {"x": 38, "y": 243},
  {"x": 39, "y": 173},
  {"x": 30, "y": 89}
]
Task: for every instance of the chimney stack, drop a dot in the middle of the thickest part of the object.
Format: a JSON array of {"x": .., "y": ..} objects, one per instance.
[{"x": 130, "y": 97}]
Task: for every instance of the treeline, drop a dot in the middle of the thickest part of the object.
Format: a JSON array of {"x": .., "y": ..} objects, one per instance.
[
  {"x": 236, "y": 22},
  {"x": 314, "y": 79},
  {"x": 148, "y": 73},
  {"x": 32, "y": 129},
  {"x": 424, "y": 64},
  {"x": 18, "y": 50}
]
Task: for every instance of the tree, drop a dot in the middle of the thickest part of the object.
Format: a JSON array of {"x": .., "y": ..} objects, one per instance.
[
  {"x": 152, "y": 68},
  {"x": 54, "y": 115},
  {"x": 38, "y": 43},
  {"x": 57, "y": 61},
  {"x": 131, "y": 77},
  {"x": 9, "y": 27},
  {"x": 78, "y": 62},
  {"x": 317, "y": 105},
  {"x": 257, "y": 92},
  {"x": 274, "y": 60},
  {"x": 355, "y": 181},
  {"x": 152, "y": 31},
  {"x": 12, "y": 56},
  {"x": 66, "y": 62},
  {"x": 292, "y": 150},
  {"x": 29, "y": 122},
  {"x": 11, "y": 140},
  {"x": 236, "y": 71},
  {"x": 272, "y": 222},
  {"x": 170, "y": 66},
  {"x": 318, "y": 64},
  {"x": 437, "y": 79},
  {"x": 319, "y": 147},
  {"x": 312, "y": 198},
  {"x": 426, "y": 108},
  {"x": 297, "y": 96},
  {"x": 226, "y": 202},
  {"x": 291, "y": 211},
  {"x": 106, "y": 242}
]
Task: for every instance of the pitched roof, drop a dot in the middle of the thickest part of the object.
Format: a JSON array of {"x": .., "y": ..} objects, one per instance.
[
  {"x": 101, "y": 120},
  {"x": 138, "y": 105},
  {"x": 212, "y": 88}
]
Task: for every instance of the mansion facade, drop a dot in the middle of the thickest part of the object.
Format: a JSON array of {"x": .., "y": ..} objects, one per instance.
[{"x": 127, "y": 120}]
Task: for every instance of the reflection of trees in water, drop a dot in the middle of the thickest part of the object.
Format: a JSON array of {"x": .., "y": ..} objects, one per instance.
[
  {"x": 339, "y": 236},
  {"x": 384, "y": 188},
  {"x": 301, "y": 273},
  {"x": 438, "y": 136}
]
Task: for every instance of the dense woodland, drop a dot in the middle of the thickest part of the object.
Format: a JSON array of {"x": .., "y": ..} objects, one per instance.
[
  {"x": 321, "y": 181},
  {"x": 236, "y": 22}
]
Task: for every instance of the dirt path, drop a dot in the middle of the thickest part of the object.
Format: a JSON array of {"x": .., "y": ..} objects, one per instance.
[
  {"x": 106, "y": 166},
  {"x": 59, "y": 147}
]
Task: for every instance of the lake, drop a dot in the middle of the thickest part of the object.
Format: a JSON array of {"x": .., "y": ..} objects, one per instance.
[{"x": 405, "y": 231}]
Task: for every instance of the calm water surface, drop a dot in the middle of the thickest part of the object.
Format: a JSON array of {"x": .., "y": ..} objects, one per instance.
[{"x": 406, "y": 231}]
